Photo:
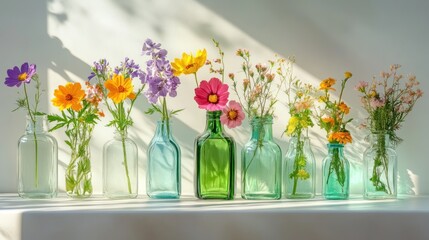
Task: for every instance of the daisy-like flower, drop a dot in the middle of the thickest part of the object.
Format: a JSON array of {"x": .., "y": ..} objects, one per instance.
[
  {"x": 344, "y": 108},
  {"x": 340, "y": 137},
  {"x": 18, "y": 76},
  {"x": 68, "y": 96},
  {"x": 119, "y": 88},
  {"x": 327, "y": 84},
  {"x": 212, "y": 95},
  {"x": 232, "y": 115},
  {"x": 189, "y": 64}
]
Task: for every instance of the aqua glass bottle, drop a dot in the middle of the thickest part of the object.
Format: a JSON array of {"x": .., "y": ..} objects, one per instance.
[
  {"x": 120, "y": 167},
  {"x": 215, "y": 161},
  {"x": 299, "y": 174},
  {"x": 261, "y": 163},
  {"x": 163, "y": 154},
  {"x": 380, "y": 171},
  {"x": 336, "y": 174},
  {"x": 37, "y": 161}
]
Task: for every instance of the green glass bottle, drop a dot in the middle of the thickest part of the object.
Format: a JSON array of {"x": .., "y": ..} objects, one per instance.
[
  {"x": 261, "y": 163},
  {"x": 215, "y": 161},
  {"x": 336, "y": 173}
]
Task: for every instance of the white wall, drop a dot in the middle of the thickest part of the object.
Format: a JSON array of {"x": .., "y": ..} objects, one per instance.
[{"x": 64, "y": 37}]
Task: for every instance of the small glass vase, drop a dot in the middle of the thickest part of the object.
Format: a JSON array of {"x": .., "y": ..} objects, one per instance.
[
  {"x": 120, "y": 167},
  {"x": 261, "y": 163},
  {"x": 380, "y": 168},
  {"x": 215, "y": 161},
  {"x": 299, "y": 174},
  {"x": 336, "y": 174},
  {"x": 163, "y": 154},
  {"x": 78, "y": 172},
  {"x": 37, "y": 161}
]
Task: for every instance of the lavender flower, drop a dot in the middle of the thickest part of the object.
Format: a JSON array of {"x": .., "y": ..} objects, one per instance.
[
  {"x": 100, "y": 68},
  {"x": 18, "y": 76},
  {"x": 128, "y": 68},
  {"x": 159, "y": 75}
]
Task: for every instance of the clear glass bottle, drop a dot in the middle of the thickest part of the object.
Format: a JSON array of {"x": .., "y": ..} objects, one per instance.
[
  {"x": 380, "y": 168},
  {"x": 120, "y": 167},
  {"x": 261, "y": 163},
  {"x": 37, "y": 161},
  {"x": 336, "y": 173},
  {"x": 78, "y": 172},
  {"x": 163, "y": 154},
  {"x": 299, "y": 174},
  {"x": 215, "y": 161}
]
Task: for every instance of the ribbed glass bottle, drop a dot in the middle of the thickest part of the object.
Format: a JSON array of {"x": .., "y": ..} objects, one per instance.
[
  {"x": 163, "y": 154},
  {"x": 215, "y": 161},
  {"x": 37, "y": 161},
  {"x": 261, "y": 163}
]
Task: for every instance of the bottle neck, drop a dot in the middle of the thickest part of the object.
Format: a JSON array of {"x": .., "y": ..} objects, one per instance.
[
  {"x": 163, "y": 129},
  {"x": 36, "y": 125},
  {"x": 381, "y": 139},
  {"x": 119, "y": 135},
  {"x": 213, "y": 123},
  {"x": 335, "y": 148},
  {"x": 262, "y": 128}
]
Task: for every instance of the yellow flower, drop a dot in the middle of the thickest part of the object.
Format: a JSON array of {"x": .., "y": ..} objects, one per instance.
[
  {"x": 302, "y": 174},
  {"x": 327, "y": 84},
  {"x": 348, "y": 75},
  {"x": 340, "y": 137},
  {"x": 189, "y": 64},
  {"x": 292, "y": 125},
  {"x": 68, "y": 96},
  {"x": 344, "y": 108},
  {"x": 119, "y": 88}
]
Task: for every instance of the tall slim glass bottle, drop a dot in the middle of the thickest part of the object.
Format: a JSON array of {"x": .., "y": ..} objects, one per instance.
[
  {"x": 37, "y": 161},
  {"x": 261, "y": 163},
  {"x": 336, "y": 174},
  {"x": 215, "y": 161},
  {"x": 120, "y": 167},
  {"x": 163, "y": 154}
]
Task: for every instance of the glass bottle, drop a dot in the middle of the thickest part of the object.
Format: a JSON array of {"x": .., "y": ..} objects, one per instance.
[
  {"x": 261, "y": 160},
  {"x": 120, "y": 167},
  {"x": 336, "y": 173},
  {"x": 163, "y": 154},
  {"x": 380, "y": 168},
  {"x": 215, "y": 161},
  {"x": 37, "y": 161},
  {"x": 78, "y": 172},
  {"x": 299, "y": 175}
]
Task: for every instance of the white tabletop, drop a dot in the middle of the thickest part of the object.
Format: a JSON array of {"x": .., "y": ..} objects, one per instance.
[{"x": 188, "y": 218}]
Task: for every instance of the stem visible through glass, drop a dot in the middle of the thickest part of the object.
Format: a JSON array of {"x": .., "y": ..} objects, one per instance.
[
  {"x": 33, "y": 120},
  {"x": 125, "y": 160}
]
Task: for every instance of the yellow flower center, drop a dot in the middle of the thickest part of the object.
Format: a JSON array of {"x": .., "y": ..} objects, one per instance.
[
  {"x": 22, "y": 76},
  {"x": 121, "y": 89},
  {"x": 213, "y": 98},
  {"x": 190, "y": 66},
  {"x": 69, "y": 97},
  {"x": 232, "y": 115}
]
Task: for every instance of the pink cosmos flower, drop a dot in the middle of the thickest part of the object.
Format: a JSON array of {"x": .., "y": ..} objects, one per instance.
[
  {"x": 361, "y": 86},
  {"x": 212, "y": 95},
  {"x": 232, "y": 115},
  {"x": 376, "y": 103}
]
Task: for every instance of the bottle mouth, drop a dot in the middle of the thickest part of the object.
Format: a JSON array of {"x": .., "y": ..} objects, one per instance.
[{"x": 335, "y": 145}]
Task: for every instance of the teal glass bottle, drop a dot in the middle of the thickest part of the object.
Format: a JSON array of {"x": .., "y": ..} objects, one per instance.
[
  {"x": 261, "y": 163},
  {"x": 336, "y": 173},
  {"x": 37, "y": 161},
  {"x": 163, "y": 154},
  {"x": 215, "y": 161}
]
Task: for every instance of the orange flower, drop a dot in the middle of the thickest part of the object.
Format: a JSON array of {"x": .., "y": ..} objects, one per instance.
[
  {"x": 68, "y": 96},
  {"x": 348, "y": 74},
  {"x": 327, "y": 84},
  {"x": 119, "y": 88},
  {"x": 340, "y": 137},
  {"x": 344, "y": 108},
  {"x": 329, "y": 120}
]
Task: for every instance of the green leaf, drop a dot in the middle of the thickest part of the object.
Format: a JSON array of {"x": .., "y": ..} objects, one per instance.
[
  {"x": 60, "y": 125},
  {"x": 176, "y": 111},
  {"x": 55, "y": 118},
  {"x": 39, "y": 114}
]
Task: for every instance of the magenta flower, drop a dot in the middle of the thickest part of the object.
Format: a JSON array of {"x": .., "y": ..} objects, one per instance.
[
  {"x": 17, "y": 76},
  {"x": 212, "y": 95},
  {"x": 232, "y": 115}
]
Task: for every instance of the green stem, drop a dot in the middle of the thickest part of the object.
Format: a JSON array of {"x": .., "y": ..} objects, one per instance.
[
  {"x": 33, "y": 120},
  {"x": 125, "y": 162},
  {"x": 196, "y": 79},
  {"x": 297, "y": 157}
]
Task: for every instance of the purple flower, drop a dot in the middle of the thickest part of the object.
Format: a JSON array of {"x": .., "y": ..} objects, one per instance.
[
  {"x": 17, "y": 76},
  {"x": 159, "y": 75},
  {"x": 128, "y": 68},
  {"x": 100, "y": 68}
]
